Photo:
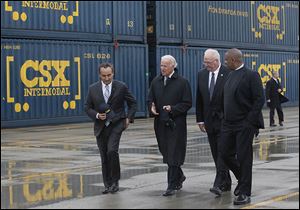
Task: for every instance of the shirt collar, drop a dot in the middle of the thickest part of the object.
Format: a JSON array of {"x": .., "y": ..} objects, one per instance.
[
  {"x": 216, "y": 72},
  {"x": 171, "y": 74},
  {"x": 241, "y": 66},
  {"x": 104, "y": 85}
]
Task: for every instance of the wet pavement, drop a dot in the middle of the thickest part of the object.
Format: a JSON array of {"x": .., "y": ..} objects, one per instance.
[{"x": 59, "y": 167}]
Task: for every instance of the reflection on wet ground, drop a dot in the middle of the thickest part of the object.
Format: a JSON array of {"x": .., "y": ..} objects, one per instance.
[{"x": 65, "y": 163}]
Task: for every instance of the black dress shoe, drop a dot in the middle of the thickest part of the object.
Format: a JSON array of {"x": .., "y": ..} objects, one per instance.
[
  {"x": 106, "y": 190},
  {"x": 280, "y": 124},
  {"x": 114, "y": 188},
  {"x": 216, "y": 190},
  {"x": 241, "y": 200},
  {"x": 179, "y": 186},
  {"x": 273, "y": 125},
  {"x": 169, "y": 192}
]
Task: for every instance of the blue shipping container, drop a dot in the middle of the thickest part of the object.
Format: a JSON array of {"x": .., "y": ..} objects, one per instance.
[
  {"x": 168, "y": 21},
  {"x": 287, "y": 63},
  {"x": 272, "y": 25},
  {"x": 74, "y": 20},
  {"x": 129, "y": 20},
  {"x": 47, "y": 81}
]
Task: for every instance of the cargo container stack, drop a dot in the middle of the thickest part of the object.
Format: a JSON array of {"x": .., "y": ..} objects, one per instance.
[
  {"x": 51, "y": 50},
  {"x": 266, "y": 31}
]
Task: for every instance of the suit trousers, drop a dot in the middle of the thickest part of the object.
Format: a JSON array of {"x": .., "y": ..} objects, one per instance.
[
  {"x": 175, "y": 173},
  {"x": 108, "y": 145},
  {"x": 222, "y": 178},
  {"x": 279, "y": 113},
  {"x": 239, "y": 136}
]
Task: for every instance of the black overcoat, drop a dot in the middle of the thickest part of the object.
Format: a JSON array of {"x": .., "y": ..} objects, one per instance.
[
  {"x": 177, "y": 93},
  {"x": 272, "y": 93}
]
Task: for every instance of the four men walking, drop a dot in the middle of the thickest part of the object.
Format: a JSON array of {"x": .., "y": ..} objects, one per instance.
[{"x": 229, "y": 102}]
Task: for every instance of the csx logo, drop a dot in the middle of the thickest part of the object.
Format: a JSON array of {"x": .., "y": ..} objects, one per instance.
[
  {"x": 44, "y": 68},
  {"x": 270, "y": 18},
  {"x": 268, "y": 14},
  {"x": 265, "y": 71},
  {"x": 55, "y": 187}
]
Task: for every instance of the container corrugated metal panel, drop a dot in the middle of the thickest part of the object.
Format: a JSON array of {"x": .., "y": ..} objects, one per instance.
[
  {"x": 251, "y": 24},
  {"x": 272, "y": 25},
  {"x": 131, "y": 64},
  {"x": 56, "y": 20},
  {"x": 46, "y": 82},
  {"x": 74, "y": 20},
  {"x": 129, "y": 20},
  {"x": 190, "y": 62},
  {"x": 168, "y": 21}
]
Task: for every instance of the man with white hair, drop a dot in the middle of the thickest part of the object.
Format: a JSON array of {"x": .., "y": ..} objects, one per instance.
[
  {"x": 209, "y": 113},
  {"x": 169, "y": 99}
]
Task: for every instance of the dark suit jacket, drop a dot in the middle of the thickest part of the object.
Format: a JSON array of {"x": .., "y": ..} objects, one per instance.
[
  {"x": 272, "y": 92},
  {"x": 248, "y": 100},
  {"x": 119, "y": 94},
  {"x": 210, "y": 111}
]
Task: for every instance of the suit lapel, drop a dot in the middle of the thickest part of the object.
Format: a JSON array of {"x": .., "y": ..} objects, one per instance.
[
  {"x": 219, "y": 81},
  {"x": 240, "y": 78},
  {"x": 205, "y": 82},
  {"x": 99, "y": 90},
  {"x": 113, "y": 90}
]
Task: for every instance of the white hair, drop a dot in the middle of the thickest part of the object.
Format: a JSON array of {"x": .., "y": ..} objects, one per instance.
[
  {"x": 171, "y": 58},
  {"x": 212, "y": 53}
]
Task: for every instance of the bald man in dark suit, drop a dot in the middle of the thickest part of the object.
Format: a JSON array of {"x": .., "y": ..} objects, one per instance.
[{"x": 243, "y": 102}]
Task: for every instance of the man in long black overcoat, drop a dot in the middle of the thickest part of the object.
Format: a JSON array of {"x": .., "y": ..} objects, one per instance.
[
  {"x": 273, "y": 93},
  {"x": 169, "y": 100}
]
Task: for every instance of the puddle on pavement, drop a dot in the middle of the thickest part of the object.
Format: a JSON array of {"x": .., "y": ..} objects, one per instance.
[
  {"x": 46, "y": 189},
  {"x": 22, "y": 188},
  {"x": 271, "y": 147}
]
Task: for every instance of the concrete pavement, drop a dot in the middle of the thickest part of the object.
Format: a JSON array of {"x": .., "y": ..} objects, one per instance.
[{"x": 59, "y": 167}]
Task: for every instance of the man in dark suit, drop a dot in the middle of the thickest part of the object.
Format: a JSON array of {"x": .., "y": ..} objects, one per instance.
[
  {"x": 273, "y": 92},
  {"x": 209, "y": 113},
  {"x": 109, "y": 123},
  {"x": 169, "y": 99},
  {"x": 243, "y": 102}
]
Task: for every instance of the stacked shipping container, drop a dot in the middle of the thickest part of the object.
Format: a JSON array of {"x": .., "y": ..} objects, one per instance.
[
  {"x": 50, "y": 53},
  {"x": 50, "y": 50},
  {"x": 266, "y": 31}
]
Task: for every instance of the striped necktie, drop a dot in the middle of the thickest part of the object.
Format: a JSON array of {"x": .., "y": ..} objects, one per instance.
[{"x": 106, "y": 93}]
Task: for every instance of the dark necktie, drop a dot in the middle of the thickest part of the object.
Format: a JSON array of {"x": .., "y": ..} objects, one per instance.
[{"x": 212, "y": 85}]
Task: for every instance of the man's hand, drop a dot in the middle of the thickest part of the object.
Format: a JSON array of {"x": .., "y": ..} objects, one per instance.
[
  {"x": 153, "y": 109},
  {"x": 202, "y": 127},
  {"x": 102, "y": 116},
  {"x": 167, "y": 108},
  {"x": 126, "y": 123}
]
